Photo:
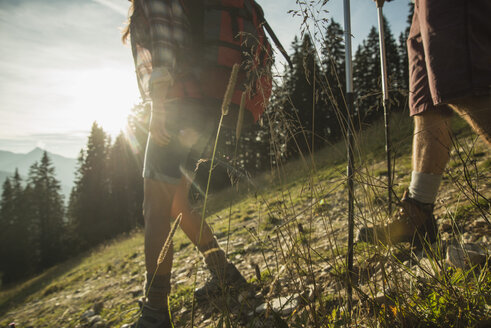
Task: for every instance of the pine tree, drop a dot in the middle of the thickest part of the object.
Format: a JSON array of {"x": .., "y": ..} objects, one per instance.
[
  {"x": 137, "y": 131},
  {"x": 367, "y": 74},
  {"x": 333, "y": 65},
  {"x": 278, "y": 123},
  {"x": 89, "y": 201},
  {"x": 47, "y": 209},
  {"x": 17, "y": 259},
  {"x": 125, "y": 186},
  {"x": 137, "y": 135},
  {"x": 302, "y": 100},
  {"x": 6, "y": 215},
  {"x": 403, "y": 55},
  {"x": 366, "y": 77},
  {"x": 404, "y": 62},
  {"x": 392, "y": 58},
  {"x": 6, "y": 207}
]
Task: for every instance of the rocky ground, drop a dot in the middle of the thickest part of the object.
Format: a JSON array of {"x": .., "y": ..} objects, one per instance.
[{"x": 290, "y": 242}]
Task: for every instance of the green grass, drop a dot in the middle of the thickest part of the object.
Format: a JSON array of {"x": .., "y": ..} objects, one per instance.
[
  {"x": 70, "y": 277},
  {"x": 296, "y": 218}
]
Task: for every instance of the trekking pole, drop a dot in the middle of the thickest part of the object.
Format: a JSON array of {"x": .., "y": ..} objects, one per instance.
[
  {"x": 273, "y": 36},
  {"x": 385, "y": 92},
  {"x": 350, "y": 145},
  {"x": 277, "y": 43}
]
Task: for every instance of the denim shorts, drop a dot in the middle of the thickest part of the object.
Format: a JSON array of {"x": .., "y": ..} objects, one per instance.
[{"x": 192, "y": 127}]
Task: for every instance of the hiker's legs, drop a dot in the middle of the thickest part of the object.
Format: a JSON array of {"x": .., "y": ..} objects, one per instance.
[
  {"x": 414, "y": 221},
  {"x": 156, "y": 211},
  {"x": 431, "y": 142},
  {"x": 431, "y": 152},
  {"x": 477, "y": 112},
  {"x": 197, "y": 230},
  {"x": 157, "y": 214}
]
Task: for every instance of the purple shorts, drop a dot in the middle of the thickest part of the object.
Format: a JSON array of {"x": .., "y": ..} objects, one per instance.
[{"x": 449, "y": 48}]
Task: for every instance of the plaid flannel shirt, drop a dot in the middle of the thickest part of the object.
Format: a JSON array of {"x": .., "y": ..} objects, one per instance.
[{"x": 161, "y": 42}]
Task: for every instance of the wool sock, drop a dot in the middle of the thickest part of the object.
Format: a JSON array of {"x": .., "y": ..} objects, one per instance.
[
  {"x": 424, "y": 187},
  {"x": 157, "y": 291},
  {"x": 214, "y": 257}
]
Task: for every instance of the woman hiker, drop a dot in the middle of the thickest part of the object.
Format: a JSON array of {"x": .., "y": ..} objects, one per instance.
[{"x": 181, "y": 129}]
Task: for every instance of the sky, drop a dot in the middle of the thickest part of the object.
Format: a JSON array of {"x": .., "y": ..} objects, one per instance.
[{"x": 63, "y": 66}]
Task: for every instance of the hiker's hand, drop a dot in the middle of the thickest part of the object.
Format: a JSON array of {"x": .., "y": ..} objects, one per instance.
[
  {"x": 157, "y": 125},
  {"x": 380, "y": 3}
]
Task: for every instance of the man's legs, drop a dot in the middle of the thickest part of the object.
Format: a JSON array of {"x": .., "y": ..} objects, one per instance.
[
  {"x": 432, "y": 143},
  {"x": 431, "y": 152},
  {"x": 414, "y": 221},
  {"x": 431, "y": 149}
]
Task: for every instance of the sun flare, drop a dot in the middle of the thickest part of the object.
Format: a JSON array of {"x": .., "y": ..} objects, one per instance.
[{"x": 105, "y": 96}]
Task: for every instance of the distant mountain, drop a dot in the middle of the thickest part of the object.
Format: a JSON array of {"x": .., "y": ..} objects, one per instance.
[{"x": 64, "y": 167}]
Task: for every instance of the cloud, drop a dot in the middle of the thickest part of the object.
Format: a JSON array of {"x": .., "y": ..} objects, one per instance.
[
  {"x": 51, "y": 61},
  {"x": 116, "y": 6},
  {"x": 63, "y": 64}
]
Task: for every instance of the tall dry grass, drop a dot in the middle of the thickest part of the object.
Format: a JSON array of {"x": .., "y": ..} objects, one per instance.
[{"x": 300, "y": 231}]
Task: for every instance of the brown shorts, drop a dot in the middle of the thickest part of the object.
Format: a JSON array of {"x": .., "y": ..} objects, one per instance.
[{"x": 449, "y": 48}]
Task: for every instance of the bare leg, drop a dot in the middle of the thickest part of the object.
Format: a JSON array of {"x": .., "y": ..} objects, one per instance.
[
  {"x": 431, "y": 152},
  {"x": 414, "y": 221},
  {"x": 223, "y": 273},
  {"x": 162, "y": 202},
  {"x": 431, "y": 142},
  {"x": 198, "y": 231},
  {"x": 157, "y": 213},
  {"x": 477, "y": 112}
]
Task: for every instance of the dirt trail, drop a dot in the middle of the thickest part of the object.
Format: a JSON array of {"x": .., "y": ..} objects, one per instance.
[{"x": 297, "y": 249}]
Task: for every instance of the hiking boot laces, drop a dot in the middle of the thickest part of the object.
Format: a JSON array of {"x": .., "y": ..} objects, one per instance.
[{"x": 414, "y": 222}]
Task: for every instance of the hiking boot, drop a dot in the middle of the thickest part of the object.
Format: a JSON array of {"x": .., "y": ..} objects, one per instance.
[
  {"x": 414, "y": 223},
  {"x": 226, "y": 281},
  {"x": 153, "y": 318}
]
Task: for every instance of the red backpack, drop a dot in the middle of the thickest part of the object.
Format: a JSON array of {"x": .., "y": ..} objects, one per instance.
[{"x": 229, "y": 32}]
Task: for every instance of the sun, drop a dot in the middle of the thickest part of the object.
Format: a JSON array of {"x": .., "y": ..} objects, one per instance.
[{"x": 105, "y": 96}]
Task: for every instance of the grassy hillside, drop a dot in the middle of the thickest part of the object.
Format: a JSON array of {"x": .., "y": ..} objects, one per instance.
[{"x": 287, "y": 232}]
